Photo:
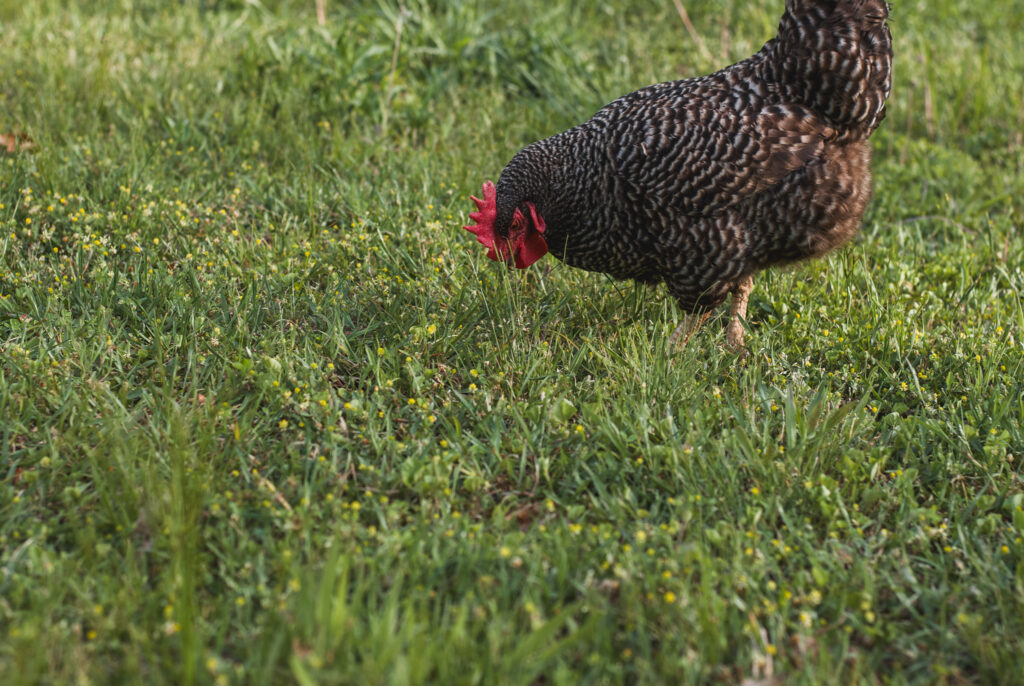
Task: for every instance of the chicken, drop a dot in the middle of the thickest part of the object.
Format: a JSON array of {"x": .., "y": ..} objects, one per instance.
[{"x": 700, "y": 183}]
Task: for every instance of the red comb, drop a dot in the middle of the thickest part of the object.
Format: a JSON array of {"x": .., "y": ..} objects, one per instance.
[{"x": 484, "y": 218}]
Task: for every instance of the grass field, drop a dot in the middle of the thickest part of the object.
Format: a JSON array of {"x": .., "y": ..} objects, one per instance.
[{"x": 268, "y": 415}]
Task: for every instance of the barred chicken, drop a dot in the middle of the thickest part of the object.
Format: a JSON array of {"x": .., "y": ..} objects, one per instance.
[{"x": 700, "y": 183}]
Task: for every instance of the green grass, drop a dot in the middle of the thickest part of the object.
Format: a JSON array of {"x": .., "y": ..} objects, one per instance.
[{"x": 267, "y": 415}]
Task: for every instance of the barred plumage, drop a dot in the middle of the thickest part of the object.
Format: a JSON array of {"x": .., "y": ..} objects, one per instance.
[{"x": 702, "y": 182}]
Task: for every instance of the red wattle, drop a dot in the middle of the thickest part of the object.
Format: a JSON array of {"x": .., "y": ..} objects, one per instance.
[
  {"x": 534, "y": 247},
  {"x": 527, "y": 243},
  {"x": 538, "y": 221}
]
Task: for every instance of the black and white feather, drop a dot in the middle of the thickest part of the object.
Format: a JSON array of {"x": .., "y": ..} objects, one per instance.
[{"x": 700, "y": 183}]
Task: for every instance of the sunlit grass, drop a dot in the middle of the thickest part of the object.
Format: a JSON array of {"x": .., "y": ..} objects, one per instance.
[{"x": 268, "y": 415}]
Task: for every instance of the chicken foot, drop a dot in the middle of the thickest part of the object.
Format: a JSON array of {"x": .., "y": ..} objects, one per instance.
[
  {"x": 734, "y": 330},
  {"x": 738, "y": 311},
  {"x": 686, "y": 328}
]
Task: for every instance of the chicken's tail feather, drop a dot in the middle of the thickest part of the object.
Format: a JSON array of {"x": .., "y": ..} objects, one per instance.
[{"x": 835, "y": 57}]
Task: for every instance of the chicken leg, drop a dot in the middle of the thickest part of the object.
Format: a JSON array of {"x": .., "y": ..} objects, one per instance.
[
  {"x": 691, "y": 322},
  {"x": 738, "y": 312}
]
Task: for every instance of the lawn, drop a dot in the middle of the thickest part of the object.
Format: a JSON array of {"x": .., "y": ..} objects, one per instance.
[{"x": 268, "y": 415}]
